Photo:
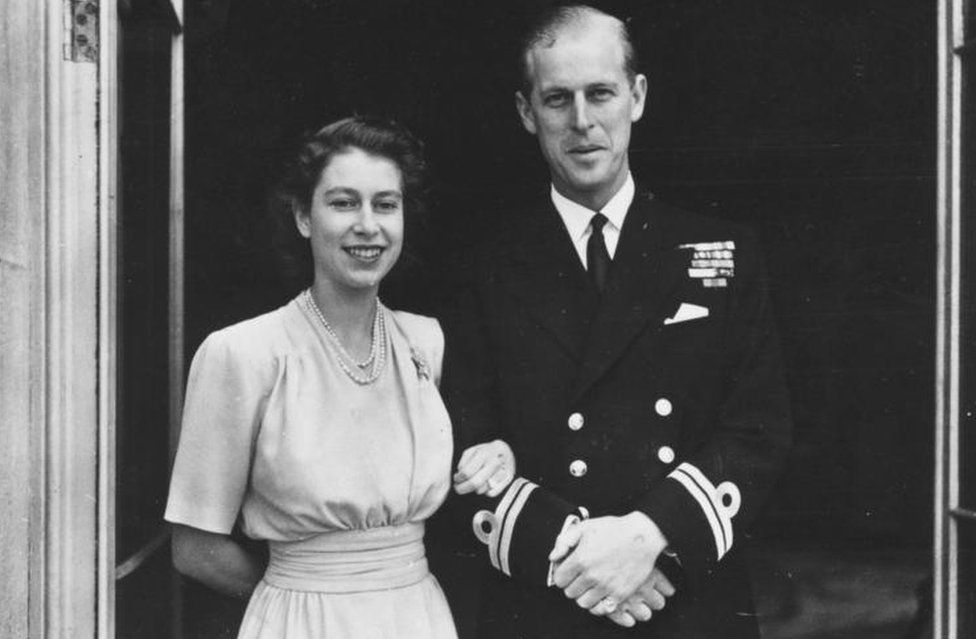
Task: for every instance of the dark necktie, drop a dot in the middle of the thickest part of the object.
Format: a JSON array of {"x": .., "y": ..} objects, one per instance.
[{"x": 597, "y": 256}]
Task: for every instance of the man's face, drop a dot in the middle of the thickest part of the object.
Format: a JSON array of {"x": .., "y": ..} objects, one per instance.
[{"x": 581, "y": 107}]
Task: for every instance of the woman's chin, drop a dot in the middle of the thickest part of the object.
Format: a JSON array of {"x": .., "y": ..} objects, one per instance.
[{"x": 362, "y": 282}]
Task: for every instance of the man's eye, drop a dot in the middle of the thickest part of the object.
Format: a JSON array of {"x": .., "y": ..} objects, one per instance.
[
  {"x": 601, "y": 94},
  {"x": 556, "y": 100}
]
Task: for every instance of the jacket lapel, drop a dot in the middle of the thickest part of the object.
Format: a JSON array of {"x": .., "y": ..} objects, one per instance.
[
  {"x": 646, "y": 269},
  {"x": 545, "y": 274}
]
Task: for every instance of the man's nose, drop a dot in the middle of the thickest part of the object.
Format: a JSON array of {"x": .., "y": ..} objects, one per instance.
[{"x": 581, "y": 116}]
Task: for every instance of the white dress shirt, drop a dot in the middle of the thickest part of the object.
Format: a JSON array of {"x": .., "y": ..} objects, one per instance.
[{"x": 576, "y": 218}]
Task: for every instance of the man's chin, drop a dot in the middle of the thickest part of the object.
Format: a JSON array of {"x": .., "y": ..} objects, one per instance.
[{"x": 587, "y": 183}]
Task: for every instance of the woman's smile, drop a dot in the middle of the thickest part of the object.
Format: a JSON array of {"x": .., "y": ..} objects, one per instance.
[{"x": 366, "y": 254}]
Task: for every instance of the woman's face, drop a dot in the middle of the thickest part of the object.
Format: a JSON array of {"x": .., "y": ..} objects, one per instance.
[{"x": 355, "y": 220}]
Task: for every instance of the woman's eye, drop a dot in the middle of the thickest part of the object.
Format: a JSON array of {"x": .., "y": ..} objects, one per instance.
[
  {"x": 342, "y": 203},
  {"x": 388, "y": 206}
]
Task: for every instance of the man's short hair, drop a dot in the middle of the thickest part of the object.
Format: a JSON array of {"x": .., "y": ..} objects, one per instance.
[{"x": 546, "y": 26}]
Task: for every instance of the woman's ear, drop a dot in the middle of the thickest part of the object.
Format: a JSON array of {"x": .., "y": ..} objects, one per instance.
[{"x": 302, "y": 221}]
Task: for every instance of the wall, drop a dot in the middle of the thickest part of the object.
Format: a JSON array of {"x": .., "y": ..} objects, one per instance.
[{"x": 21, "y": 213}]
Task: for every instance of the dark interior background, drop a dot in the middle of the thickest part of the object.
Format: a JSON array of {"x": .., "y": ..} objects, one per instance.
[{"x": 812, "y": 121}]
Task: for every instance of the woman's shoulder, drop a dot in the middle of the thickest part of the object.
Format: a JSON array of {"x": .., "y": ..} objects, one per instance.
[
  {"x": 425, "y": 335},
  {"x": 420, "y": 328},
  {"x": 255, "y": 338}
]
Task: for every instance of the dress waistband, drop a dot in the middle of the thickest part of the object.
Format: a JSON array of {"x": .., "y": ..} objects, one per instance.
[{"x": 350, "y": 560}]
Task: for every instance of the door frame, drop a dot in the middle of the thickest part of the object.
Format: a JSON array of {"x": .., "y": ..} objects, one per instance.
[
  {"x": 74, "y": 315},
  {"x": 949, "y": 512},
  {"x": 73, "y": 360}
]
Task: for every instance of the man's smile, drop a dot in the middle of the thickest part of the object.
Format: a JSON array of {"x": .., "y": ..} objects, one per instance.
[{"x": 585, "y": 149}]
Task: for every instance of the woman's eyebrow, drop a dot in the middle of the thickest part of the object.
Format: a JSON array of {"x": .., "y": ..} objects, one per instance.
[{"x": 340, "y": 189}]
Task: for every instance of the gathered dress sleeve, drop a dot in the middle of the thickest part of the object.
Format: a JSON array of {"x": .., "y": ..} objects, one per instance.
[{"x": 225, "y": 396}]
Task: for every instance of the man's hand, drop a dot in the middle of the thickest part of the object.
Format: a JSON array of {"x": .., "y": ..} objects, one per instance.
[
  {"x": 606, "y": 557},
  {"x": 486, "y": 469},
  {"x": 650, "y": 597}
]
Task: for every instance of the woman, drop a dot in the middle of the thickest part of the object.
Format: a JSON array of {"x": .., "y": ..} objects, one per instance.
[{"x": 320, "y": 425}]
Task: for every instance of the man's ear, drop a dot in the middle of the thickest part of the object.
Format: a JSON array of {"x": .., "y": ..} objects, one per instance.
[
  {"x": 524, "y": 109},
  {"x": 302, "y": 222},
  {"x": 638, "y": 93}
]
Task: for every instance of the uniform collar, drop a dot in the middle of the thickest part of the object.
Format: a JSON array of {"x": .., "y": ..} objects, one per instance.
[{"x": 576, "y": 217}]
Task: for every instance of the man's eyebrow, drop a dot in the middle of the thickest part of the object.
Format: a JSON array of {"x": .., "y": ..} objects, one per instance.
[
  {"x": 393, "y": 192},
  {"x": 600, "y": 84}
]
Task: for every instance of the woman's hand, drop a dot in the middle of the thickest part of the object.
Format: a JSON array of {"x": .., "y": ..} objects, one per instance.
[{"x": 485, "y": 469}]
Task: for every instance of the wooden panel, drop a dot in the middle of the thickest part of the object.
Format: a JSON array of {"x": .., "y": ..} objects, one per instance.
[
  {"x": 15, "y": 400},
  {"x": 21, "y": 201},
  {"x": 71, "y": 300},
  {"x": 69, "y": 412}
]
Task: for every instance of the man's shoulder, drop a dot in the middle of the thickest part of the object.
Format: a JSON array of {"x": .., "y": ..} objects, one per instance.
[
  {"x": 683, "y": 220},
  {"x": 515, "y": 222},
  {"x": 686, "y": 228}
]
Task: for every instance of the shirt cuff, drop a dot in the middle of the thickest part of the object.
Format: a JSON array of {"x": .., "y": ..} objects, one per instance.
[{"x": 571, "y": 520}]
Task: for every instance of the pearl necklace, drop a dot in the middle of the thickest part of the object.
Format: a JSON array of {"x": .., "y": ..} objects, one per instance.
[
  {"x": 377, "y": 348},
  {"x": 342, "y": 350}
]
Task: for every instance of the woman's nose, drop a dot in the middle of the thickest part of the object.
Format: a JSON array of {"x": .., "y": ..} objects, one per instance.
[{"x": 367, "y": 224}]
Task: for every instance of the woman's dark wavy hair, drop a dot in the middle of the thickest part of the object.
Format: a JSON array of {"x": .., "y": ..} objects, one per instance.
[{"x": 375, "y": 136}]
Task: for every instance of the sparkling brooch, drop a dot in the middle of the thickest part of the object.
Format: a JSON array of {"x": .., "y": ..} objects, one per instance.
[{"x": 423, "y": 368}]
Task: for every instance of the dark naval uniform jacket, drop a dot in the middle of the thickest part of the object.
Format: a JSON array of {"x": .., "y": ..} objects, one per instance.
[{"x": 664, "y": 394}]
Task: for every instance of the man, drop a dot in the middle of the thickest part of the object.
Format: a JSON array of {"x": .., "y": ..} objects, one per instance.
[{"x": 625, "y": 351}]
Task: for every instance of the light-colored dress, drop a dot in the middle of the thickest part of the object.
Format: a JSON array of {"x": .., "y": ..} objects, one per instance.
[{"x": 338, "y": 477}]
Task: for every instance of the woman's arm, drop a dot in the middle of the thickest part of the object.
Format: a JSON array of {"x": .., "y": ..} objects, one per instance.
[{"x": 215, "y": 560}]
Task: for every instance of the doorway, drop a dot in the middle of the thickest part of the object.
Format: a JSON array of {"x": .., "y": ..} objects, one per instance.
[{"x": 813, "y": 123}]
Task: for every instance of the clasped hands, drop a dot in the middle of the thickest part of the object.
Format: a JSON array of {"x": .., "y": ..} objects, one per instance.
[{"x": 607, "y": 565}]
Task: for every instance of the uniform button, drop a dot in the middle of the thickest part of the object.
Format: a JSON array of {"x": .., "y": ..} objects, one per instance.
[
  {"x": 575, "y": 421},
  {"x": 663, "y": 407},
  {"x": 578, "y": 468},
  {"x": 665, "y": 454}
]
